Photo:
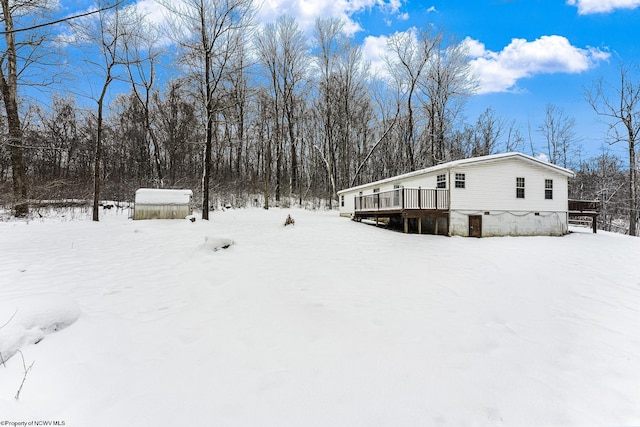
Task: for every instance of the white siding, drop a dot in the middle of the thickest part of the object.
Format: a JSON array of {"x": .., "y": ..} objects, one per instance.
[
  {"x": 490, "y": 191},
  {"x": 348, "y": 207},
  {"x": 492, "y": 186}
]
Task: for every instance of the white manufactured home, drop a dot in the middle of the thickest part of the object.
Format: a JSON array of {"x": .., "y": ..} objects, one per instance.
[
  {"x": 509, "y": 194},
  {"x": 152, "y": 203}
]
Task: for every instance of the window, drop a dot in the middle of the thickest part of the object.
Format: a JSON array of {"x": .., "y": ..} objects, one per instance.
[
  {"x": 342, "y": 200},
  {"x": 460, "y": 180},
  {"x": 520, "y": 188},
  {"x": 548, "y": 189},
  {"x": 442, "y": 181}
]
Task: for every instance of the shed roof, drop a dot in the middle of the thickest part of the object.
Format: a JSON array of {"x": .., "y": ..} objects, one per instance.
[
  {"x": 154, "y": 196},
  {"x": 463, "y": 163}
]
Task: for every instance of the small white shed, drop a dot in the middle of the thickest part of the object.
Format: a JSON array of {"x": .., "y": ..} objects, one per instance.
[{"x": 152, "y": 203}]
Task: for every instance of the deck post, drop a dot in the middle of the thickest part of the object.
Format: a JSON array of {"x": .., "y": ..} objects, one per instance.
[
  {"x": 419, "y": 198},
  {"x": 595, "y": 223},
  {"x": 420, "y": 225},
  {"x": 406, "y": 225}
]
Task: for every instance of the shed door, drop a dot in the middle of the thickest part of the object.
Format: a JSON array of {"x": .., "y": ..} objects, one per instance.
[{"x": 475, "y": 226}]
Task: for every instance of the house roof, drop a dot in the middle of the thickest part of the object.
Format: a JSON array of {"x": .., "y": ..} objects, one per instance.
[
  {"x": 466, "y": 162},
  {"x": 154, "y": 196}
]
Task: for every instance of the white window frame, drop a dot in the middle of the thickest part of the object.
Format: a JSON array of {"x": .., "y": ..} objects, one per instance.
[
  {"x": 520, "y": 187},
  {"x": 548, "y": 189}
]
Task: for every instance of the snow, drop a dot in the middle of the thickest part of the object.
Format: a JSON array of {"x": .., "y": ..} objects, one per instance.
[
  {"x": 326, "y": 323},
  {"x": 212, "y": 243},
  {"x": 153, "y": 196},
  {"x": 29, "y": 319}
]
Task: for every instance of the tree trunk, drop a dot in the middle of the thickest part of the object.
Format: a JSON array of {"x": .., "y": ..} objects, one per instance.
[
  {"x": 294, "y": 155},
  {"x": 96, "y": 170},
  {"x": 9, "y": 87},
  {"x": 633, "y": 214},
  {"x": 206, "y": 174}
]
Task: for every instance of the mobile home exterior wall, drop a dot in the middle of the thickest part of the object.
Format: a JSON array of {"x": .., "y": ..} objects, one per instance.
[
  {"x": 491, "y": 190},
  {"x": 508, "y": 194}
]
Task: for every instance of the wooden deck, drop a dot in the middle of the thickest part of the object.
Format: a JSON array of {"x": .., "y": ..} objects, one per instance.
[
  {"x": 405, "y": 204},
  {"x": 403, "y": 199},
  {"x": 584, "y": 212}
]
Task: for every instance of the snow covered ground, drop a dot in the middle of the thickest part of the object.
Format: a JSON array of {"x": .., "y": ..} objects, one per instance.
[{"x": 326, "y": 323}]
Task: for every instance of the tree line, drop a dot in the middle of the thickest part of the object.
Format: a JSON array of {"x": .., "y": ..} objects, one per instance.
[{"x": 265, "y": 115}]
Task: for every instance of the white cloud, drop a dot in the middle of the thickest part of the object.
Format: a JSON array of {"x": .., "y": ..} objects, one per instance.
[
  {"x": 586, "y": 7},
  {"x": 374, "y": 50},
  {"x": 543, "y": 157},
  {"x": 153, "y": 12},
  {"x": 393, "y": 5},
  {"x": 476, "y": 49},
  {"x": 500, "y": 71},
  {"x": 432, "y": 9},
  {"x": 306, "y": 11}
]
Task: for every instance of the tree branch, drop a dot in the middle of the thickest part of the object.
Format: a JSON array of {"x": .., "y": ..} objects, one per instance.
[
  {"x": 59, "y": 21},
  {"x": 395, "y": 119}
]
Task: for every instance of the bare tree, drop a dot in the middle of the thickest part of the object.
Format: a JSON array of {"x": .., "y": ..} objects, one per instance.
[
  {"x": 294, "y": 71},
  {"x": 104, "y": 40},
  {"x": 60, "y": 134},
  {"x": 331, "y": 43},
  {"x": 264, "y": 142},
  {"x": 558, "y": 131},
  {"x": 514, "y": 140},
  {"x": 489, "y": 129},
  {"x": 237, "y": 100},
  {"x": 141, "y": 56},
  {"x": 619, "y": 104},
  {"x": 177, "y": 129},
  {"x": 603, "y": 178},
  {"x": 25, "y": 47},
  {"x": 9, "y": 88},
  {"x": 409, "y": 61},
  {"x": 206, "y": 32},
  {"x": 21, "y": 50},
  {"x": 342, "y": 107},
  {"x": 447, "y": 86}
]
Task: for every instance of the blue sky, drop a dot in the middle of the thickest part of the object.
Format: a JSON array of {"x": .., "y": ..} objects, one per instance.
[{"x": 527, "y": 53}]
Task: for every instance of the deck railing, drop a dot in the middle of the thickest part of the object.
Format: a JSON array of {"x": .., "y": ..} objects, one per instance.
[
  {"x": 584, "y": 206},
  {"x": 584, "y": 212},
  {"x": 403, "y": 199}
]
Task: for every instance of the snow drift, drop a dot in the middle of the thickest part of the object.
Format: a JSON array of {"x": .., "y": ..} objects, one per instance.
[{"x": 27, "y": 320}]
